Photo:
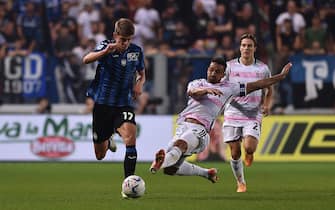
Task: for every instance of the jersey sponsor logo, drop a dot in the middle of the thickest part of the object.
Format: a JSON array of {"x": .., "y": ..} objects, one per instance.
[{"x": 132, "y": 56}]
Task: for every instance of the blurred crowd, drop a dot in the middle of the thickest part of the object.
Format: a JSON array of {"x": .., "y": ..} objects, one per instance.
[{"x": 68, "y": 29}]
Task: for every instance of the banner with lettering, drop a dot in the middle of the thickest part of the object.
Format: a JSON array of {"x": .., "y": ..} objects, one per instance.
[
  {"x": 23, "y": 78},
  {"x": 313, "y": 81},
  {"x": 69, "y": 138}
]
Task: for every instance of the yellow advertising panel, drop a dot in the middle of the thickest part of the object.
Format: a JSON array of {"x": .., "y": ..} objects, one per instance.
[{"x": 297, "y": 138}]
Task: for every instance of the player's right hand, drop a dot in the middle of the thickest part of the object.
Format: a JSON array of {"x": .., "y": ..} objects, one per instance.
[
  {"x": 111, "y": 47},
  {"x": 214, "y": 91}
]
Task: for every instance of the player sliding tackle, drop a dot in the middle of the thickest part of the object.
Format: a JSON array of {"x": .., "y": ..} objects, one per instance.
[{"x": 207, "y": 99}]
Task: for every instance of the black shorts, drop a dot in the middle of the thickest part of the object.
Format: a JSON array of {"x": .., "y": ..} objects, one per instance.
[{"x": 106, "y": 119}]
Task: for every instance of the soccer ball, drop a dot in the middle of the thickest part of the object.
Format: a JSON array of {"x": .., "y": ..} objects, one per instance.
[{"x": 133, "y": 186}]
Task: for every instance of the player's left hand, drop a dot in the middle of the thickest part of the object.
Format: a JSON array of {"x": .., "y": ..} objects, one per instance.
[
  {"x": 137, "y": 91},
  {"x": 265, "y": 111},
  {"x": 286, "y": 69}
]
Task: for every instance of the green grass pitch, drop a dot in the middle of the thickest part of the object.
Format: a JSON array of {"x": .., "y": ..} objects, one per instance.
[{"x": 96, "y": 186}]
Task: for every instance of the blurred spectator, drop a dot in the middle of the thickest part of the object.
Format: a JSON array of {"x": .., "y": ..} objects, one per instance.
[
  {"x": 199, "y": 60},
  {"x": 3, "y": 18},
  {"x": 142, "y": 37},
  {"x": 29, "y": 28},
  {"x": 53, "y": 9},
  {"x": 8, "y": 33},
  {"x": 148, "y": 20},
  {"x": 121, "y": 8},
  {"x": 43, "y": 106},
  {"x": 245, "y": 21},
  {"x": 327, "y": 14},
  {"x": 18, "y": 49},
  {"x": 85, "y": 46},
  {"x": 307, "y": 9},
  {"x": 315, "y": 38},
  {"x": 108, "y": 19},
  {"x": 151, "y": 48},
  {"x": 208, "y": 5},
  {"x": 2, "y": 47},
  {"x": 226, "y": 47},
  {"x": 70, "y": 80},
  {"x": 210, "y": 38},
  {"x": 66, "y": 20},
  {"x": 75, "y": 7},
  {"x": 87, "y": 71},
  {"x": 180, "y": 41},
  {"x": 169, "y": 21},
  {"x": 298, "y": 21},
  {"x": 200, "y": 20},
  {"x": 198, "y": 48},
  {"x": 287, "y": 41},
  {"x": 86, "y": 16},
  {"x": 165, "y": 49},
  {"x": 223, "y": 22},
  {"x": 64, "y": 43},
  {"x": 97, "y": 34},
  {"x": 275, "y": 9}
]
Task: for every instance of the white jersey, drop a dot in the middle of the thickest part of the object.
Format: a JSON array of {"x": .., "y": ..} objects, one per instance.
[
  {"x": 246, "y": 107},
  {"x": 208, "y": 107}
]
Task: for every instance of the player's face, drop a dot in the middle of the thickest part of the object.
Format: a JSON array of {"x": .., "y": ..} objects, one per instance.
[
  {"x": 122, "y": 42},
  {"x": 215, "y": 72},
  {"x": 247, "y": 48}
]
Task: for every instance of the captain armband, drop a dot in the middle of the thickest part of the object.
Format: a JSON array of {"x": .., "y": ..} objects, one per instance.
[{"x": 242, "y": 89}]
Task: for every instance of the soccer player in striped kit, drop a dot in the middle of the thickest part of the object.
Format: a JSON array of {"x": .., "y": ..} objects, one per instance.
[
  {"x": 207, "y": 99},
  {"x": 119, "y": 80},
  {"x": 243, "y": 116}
]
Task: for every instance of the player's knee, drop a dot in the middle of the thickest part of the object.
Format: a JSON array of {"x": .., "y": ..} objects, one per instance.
[
  {"x": 249, "y": 150},
  {"x": 99, "y": 156},
  {"x": 235, "y": 155},
  {"x": 129, "y": 139},
  {"x": 181, "y": 144},
  {"x": 170, "y": 170}
]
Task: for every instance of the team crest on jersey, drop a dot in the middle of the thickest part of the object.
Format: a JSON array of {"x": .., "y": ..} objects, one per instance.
[
  {"x": 123, "y": 62},
  {"x": 99, "y": 46},
  {"x": 132, "y": 56}
]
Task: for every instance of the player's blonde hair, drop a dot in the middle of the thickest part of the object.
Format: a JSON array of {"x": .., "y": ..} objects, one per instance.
[{"x": 124, "y": 27}]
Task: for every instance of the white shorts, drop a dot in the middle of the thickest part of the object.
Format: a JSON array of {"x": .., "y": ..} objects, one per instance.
[
  {"x": 195, "y": 135},
  {"x": 233, "y": 133}
]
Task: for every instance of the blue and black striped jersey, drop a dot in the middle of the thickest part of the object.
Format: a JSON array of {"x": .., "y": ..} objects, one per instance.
[{"x": 115, "y": 74}]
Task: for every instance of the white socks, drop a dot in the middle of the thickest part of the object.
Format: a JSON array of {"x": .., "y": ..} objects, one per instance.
[
  {"x": 237, "y": 168},
  {"x": 188, "y": 169},
  {"x": 171, "y": 157}
]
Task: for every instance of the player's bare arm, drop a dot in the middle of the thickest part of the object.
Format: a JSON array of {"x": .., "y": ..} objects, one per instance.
[
  {"x": 138, "y": 87},
  {"x": 266, "y": 106},
  {"x": 198, "y": 92},
  {"x": 260, "y": 84},
  {"x": 94, "y": 56}
]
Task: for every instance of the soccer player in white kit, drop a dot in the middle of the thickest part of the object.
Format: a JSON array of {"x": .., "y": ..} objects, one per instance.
[
  {"x": 207, "y": 99},
  {"x": 243, "y": 116}
]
